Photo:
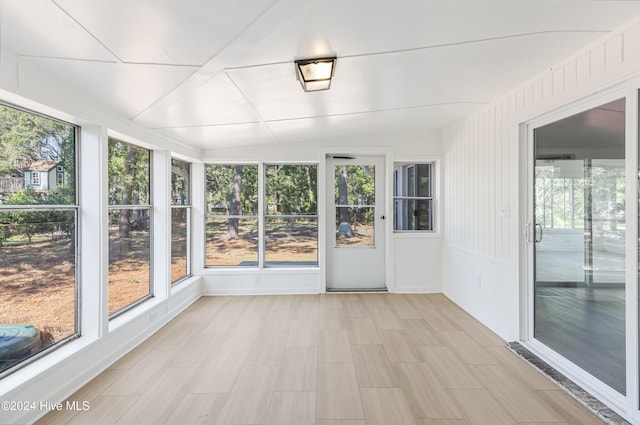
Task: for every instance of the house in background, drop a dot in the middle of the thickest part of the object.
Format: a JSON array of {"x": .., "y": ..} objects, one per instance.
[{"x": 44, "y": 175}]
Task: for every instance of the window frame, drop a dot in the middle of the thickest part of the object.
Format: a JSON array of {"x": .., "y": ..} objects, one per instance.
[
  {"x": 148, "y": 207},
  {"x": 188, "y": 206},
  {"x": 401, "y": 184},
  {"x": 35, "y": 178},
  {"x": 265, "y": 216},
  {"x": 261, "y": 216},
  {"x": 257, "y": 216},
  {"x": 76, "y": 240}
]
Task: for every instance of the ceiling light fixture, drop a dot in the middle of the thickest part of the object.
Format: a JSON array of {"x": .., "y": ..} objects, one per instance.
[{"x": 315, "y": 74}]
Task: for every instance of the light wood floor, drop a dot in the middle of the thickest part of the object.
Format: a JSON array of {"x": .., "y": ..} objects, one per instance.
[{"x": 350, "y": 359}]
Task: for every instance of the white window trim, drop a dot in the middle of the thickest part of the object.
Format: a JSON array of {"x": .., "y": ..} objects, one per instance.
[
  {"x": 152, "y": 219},
  {"x": 436, "y": 191},
  {"x": 188, "y": 207},
  {"x": 261, "y": 216}
]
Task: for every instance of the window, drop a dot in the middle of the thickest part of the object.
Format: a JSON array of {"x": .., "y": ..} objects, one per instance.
[
  {"x": 59, "y": 178},
  {"x": 413, "y": 197},
  {"x": 180, "y": 219},
  {"x": 232, "y": 215},
  {"x": 38, "y": 239},
  {"x": 129, "y": 225},
  {"x": 35, "y": 178},
  {"x": 291, "y": 215}
]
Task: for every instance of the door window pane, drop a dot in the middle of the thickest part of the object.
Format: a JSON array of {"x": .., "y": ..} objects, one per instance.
[
  {"x": 580, "y": 240},
  {"x": 355, "y": 226},
  {"x": 355, "y": 205}
]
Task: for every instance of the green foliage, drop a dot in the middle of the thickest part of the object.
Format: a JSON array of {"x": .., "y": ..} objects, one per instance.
[
  {"x": 180, "y": 177},
  {"x": 220, "y": 190},
  {"x": 561, "y": 202},
  {"x": 25, "y": 138},
  {"x": 360, "y": 188},
  {"x": 291, "y": 189},
  {"x": 129, "y": 173},
  {"x": 34, "y": 222}
]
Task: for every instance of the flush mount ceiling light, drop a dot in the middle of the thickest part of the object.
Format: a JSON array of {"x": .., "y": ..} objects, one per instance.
[{"x": 315, "y": 74}]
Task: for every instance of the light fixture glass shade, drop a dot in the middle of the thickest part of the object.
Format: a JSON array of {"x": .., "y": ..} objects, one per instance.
[{"x": 315, "y": 74}]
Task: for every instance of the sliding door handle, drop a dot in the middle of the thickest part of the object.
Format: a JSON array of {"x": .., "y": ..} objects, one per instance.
[{"x": 538, "y": 227}]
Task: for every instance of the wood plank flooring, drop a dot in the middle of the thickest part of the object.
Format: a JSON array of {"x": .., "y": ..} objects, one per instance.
[{"x": 335, "y": 359}]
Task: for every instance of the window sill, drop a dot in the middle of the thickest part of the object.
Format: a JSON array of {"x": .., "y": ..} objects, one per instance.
[
  {"x": 49, "y": 360},
  {"x": 419, "y": 235},
  {"x": 135, "y": 312},
  {"x": 256, "y": 270}
]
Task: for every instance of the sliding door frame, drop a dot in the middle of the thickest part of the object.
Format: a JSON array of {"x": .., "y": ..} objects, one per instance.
[{"x": 627, "y": 405}]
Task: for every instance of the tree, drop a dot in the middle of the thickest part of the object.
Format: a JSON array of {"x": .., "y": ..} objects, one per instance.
[
  {"x": 344, "y": 215},
  {"x": 355, "y": 185},
  {"x": 129, "y": 171},
  {"x": 25, "y": 138},
  {"x": 234, "y": 203},
  {"x": 290, "y": 189},
  {"x": 179, "y": 182},
  {"x": 232, "y": 190}
]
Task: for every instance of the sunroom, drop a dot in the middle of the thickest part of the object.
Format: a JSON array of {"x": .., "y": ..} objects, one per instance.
[{"x": 460, "y": 163}]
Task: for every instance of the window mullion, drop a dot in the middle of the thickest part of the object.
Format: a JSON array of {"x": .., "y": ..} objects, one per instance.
[{"x": 261, "y": 214}]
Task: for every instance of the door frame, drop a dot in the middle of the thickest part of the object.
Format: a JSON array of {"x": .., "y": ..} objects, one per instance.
[
  {"x": 323, "y": 203},
  {"x": 626, "y": 405}
]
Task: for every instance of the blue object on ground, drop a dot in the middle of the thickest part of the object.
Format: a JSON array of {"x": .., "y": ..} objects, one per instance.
[{"x": 17, "y": 341}]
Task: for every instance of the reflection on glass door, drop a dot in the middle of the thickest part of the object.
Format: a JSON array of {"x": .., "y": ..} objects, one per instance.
[{"x": 579, "y": 191}]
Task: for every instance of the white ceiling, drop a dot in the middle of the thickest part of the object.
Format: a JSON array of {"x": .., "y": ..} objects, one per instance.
[{"x": 219, "y": 73}]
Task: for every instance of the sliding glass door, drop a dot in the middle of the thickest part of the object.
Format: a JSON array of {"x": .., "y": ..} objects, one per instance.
[{"x": 579, "y": 247}]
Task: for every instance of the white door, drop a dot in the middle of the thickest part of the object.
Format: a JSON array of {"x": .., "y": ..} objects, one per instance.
[{"x": 355, "y": 226}]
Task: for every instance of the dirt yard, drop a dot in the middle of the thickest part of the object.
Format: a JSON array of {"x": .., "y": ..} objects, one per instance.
[
  {"x": 37, "y": 286},
  {"x": 38, "y": 283}
]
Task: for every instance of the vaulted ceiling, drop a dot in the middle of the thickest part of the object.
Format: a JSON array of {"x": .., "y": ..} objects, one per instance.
[{"x": 219, "y": 73}]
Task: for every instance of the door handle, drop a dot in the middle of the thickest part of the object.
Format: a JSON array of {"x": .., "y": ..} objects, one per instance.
[
  {"x": 538, "y": 226},
  {"x": 382, "y": 217}
]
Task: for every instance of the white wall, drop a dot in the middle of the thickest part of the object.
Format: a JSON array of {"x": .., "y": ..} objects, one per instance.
[
  {"x": 414, "y": 262},
  {"x": 481, "y": 173}
]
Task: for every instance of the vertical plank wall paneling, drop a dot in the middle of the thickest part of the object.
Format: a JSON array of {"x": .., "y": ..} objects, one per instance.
[{"x": 481, "y": 174}]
